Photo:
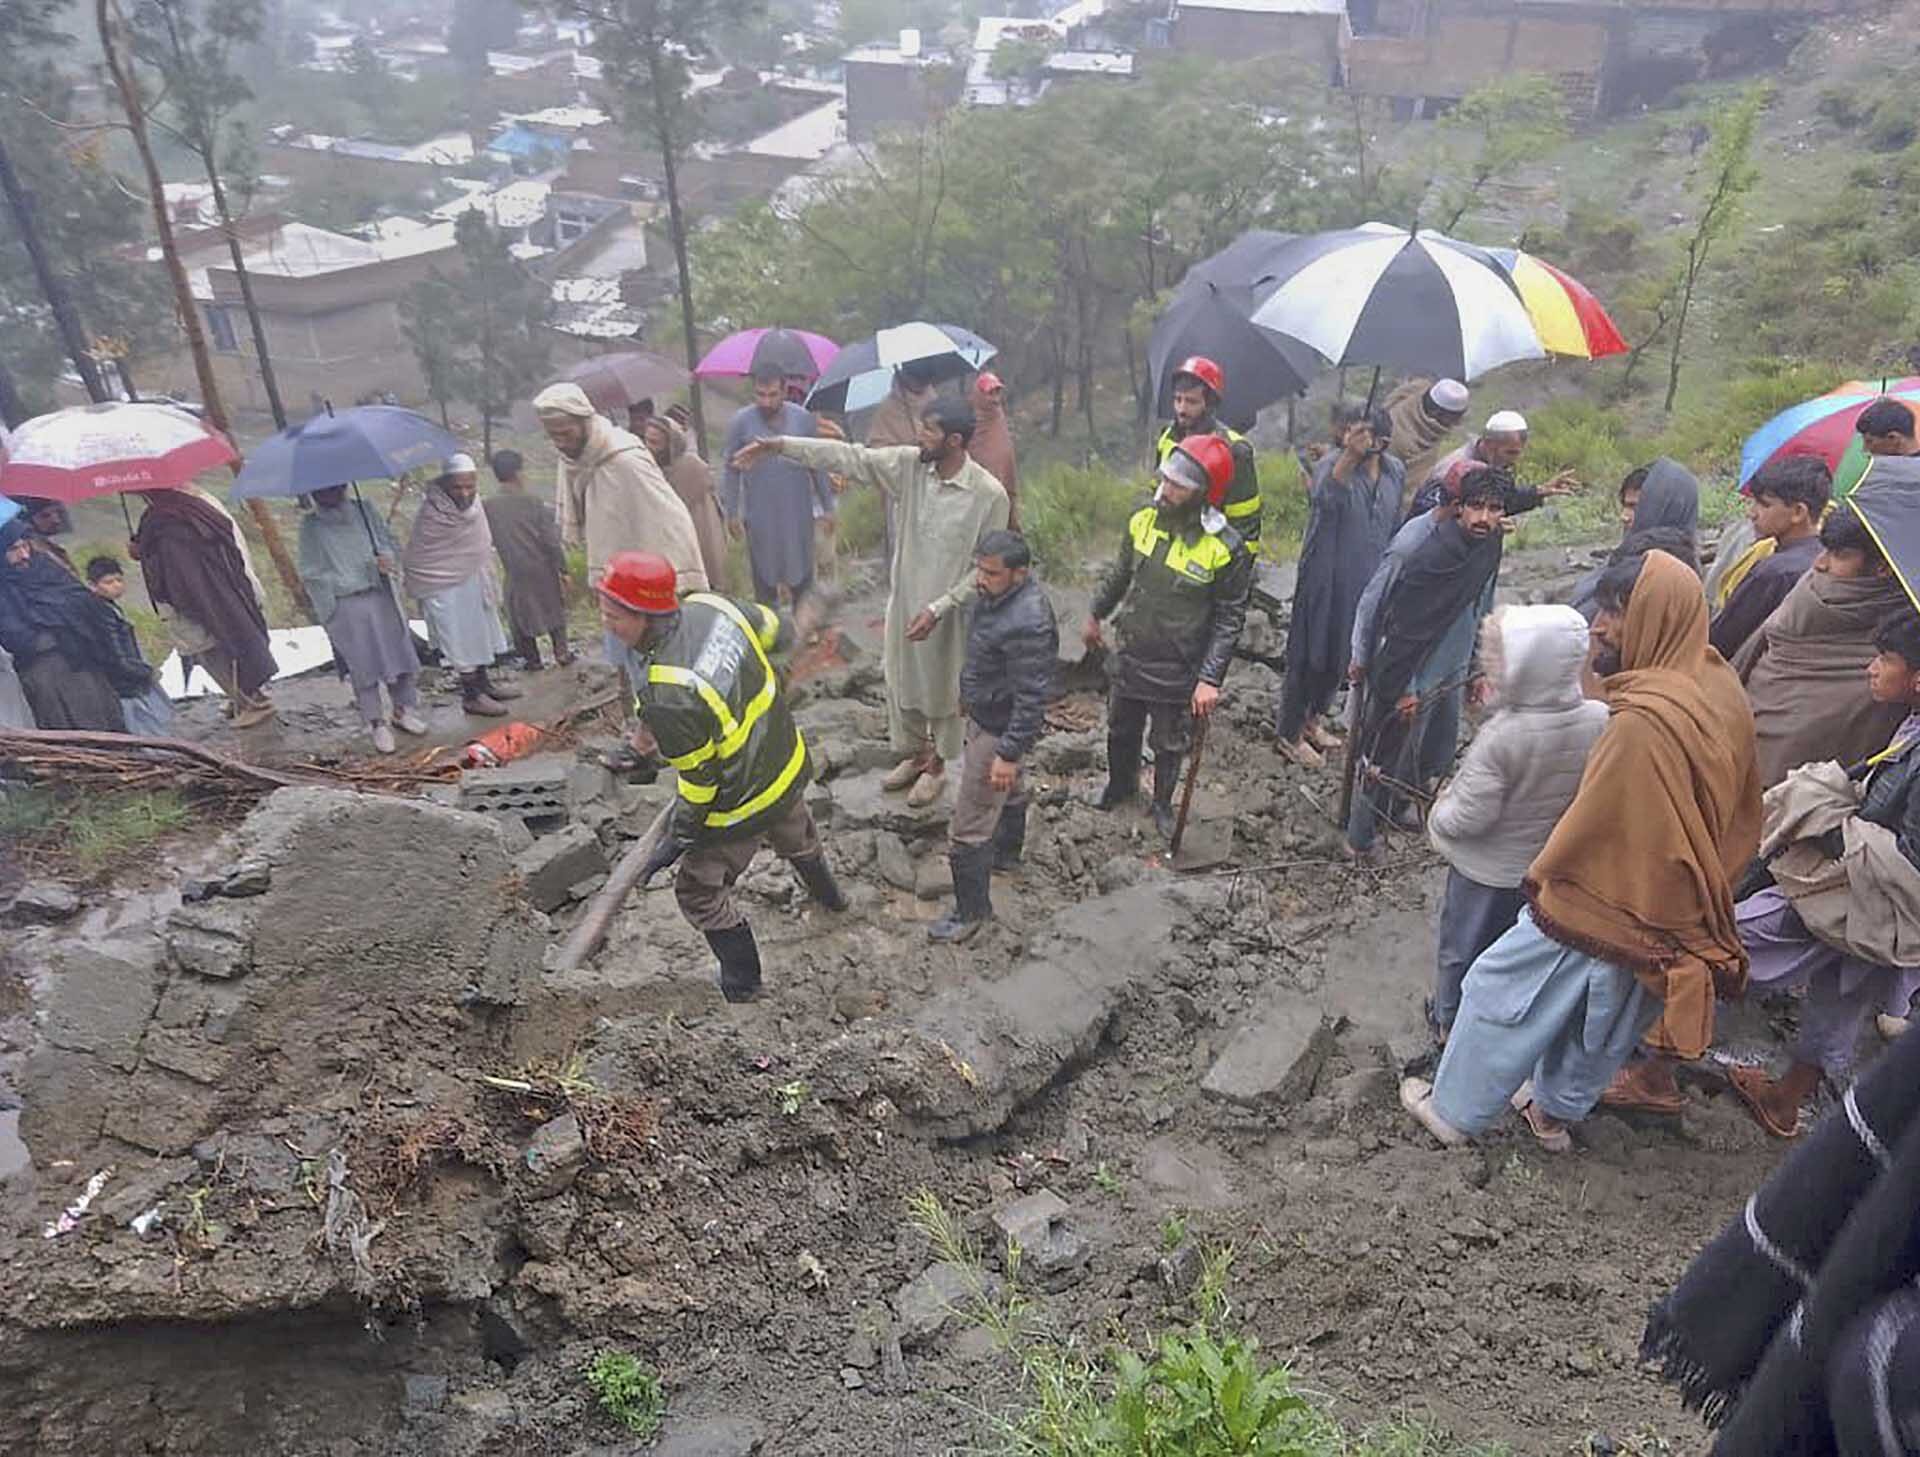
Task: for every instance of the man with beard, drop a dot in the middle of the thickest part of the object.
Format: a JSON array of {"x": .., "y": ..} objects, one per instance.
[
  {"x": 944, "y": 501},
  {"x": 772, "y": 501},
  {"x": 1179, "y": 588},
  {"x": 1199, "y": 385},
  {"x": 1500, "y": 444},
  {"x": 1422, "y": 646},
  {"x": 449, "y": 570}
]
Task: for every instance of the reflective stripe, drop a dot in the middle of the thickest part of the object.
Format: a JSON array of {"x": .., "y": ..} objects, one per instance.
[
  {"x": 697, "y": 793},
  {"x": 693, "y": 759},
  {"x": 1166, "y": 442},
  {"x": 1248, "y": 507},
  {"x": 783, "y": 781},
  {"x": 1200, "y": 561},
  {"x": 735, "y": 735},
  {"x": 716, "y": 705}
]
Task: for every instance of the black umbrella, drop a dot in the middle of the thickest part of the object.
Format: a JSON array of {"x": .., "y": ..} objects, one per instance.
[
  {"x": 619, "y": 381},
  {"x": 1243, "y": 263},
  {"x": 1888, "y": 501},
  {"x": 1211, "y": 319}
]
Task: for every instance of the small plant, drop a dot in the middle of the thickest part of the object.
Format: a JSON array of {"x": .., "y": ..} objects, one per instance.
[
  {"x": 1106, "y": 1180},
  {"x": 793, "y": 1096},
  {"x": 628, "y": 1390},
  {"x": 1173, "y": 1231}
]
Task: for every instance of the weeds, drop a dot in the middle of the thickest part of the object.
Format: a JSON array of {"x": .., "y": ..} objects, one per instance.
[
  {"x": 1173, "y": 1231},
  {"x": 792, "y": 1097},
  {"x": 91, "y": 833},
  {"x": 628, "y": 1390},
  {"x": 1106, "y": 1180}
]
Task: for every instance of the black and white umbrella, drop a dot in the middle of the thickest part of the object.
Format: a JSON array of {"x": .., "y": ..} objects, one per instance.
[
  {"x": 862, "y": 373},
  {"x": 1419, "y": 303}
]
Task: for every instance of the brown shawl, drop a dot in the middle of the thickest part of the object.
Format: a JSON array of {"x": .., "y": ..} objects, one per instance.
[
  {"x": 1638, "y": 870},
  {"x": 191, "y": 561},
  {"x": 1803, "y": 673},
  {"x": 992, "y": 446},
  {"x": 692, "y": 481}
]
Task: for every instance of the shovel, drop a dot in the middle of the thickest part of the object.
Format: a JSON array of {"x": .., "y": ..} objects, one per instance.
[{"x": 1211, "y": 842}]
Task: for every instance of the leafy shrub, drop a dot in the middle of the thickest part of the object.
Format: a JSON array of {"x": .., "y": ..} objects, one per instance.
[
  {"x": 628, "y": 1390},
  {"x": 1073, "y": 516}
]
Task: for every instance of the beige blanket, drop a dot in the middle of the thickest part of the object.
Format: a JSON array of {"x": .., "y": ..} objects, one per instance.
[{"x": 1867, "y": 902}]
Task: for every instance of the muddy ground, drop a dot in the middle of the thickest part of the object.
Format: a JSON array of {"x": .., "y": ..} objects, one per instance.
[{"x": 352, "y": 1244}]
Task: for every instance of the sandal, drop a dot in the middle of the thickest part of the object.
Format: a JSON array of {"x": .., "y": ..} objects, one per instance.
[
  {"x": 1416, "y": 1096},
  {"x": 1626, "y": 1092},
  {"x": 1739, "y": 1079},
  {"x": 1553, "y": 1140}
]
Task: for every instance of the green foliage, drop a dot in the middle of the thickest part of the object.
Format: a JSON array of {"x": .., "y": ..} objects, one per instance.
[
  {"x": 1071, "y": 513},
  {"x": 628, "y": 1390},
  {"x": 1881, "y": 108},
  {"x": 1497, "y": 128},
  {"x": 91, "y": 832},
  {"x": 1204, "y": 1396}
]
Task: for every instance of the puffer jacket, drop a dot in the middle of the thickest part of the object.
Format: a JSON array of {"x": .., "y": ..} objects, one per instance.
[
  {"x": 1185, "y": 601},
  {"x": 1524, "y": 766},
  {"x": 1013, "y": 645}
]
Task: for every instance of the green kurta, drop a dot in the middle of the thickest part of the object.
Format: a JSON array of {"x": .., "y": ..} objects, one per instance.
[{"x": 938, "y": 523}]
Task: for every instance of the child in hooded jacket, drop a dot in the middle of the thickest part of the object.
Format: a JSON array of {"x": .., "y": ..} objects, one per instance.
[{"x": 1517, "y": 779}]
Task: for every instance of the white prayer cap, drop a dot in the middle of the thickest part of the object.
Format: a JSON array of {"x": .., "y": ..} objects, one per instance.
[
  {"x": 565, "y": 398},
  {"x": 459, "y": 465},
  {"x": 1506, "y": 422},
  {"x": 1449, "y": 395}
]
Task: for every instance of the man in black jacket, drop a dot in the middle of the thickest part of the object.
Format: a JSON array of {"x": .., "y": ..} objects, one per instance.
[{"x": 1005, "y": 681}]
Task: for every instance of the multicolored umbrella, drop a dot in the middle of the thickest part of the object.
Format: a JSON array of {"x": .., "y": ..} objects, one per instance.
[
  {"x": 1566, "y": 315},
  {"x": 615, "y": 382},
  {"x": 862, "y": 373},
  {"x": 1824, "y": 426},
  {"x": 1888, "y": 501},
  {"x": 791, "y": 351},
  {"x": 1420, "y": 303},
  {"x": 96, "y": 450}
]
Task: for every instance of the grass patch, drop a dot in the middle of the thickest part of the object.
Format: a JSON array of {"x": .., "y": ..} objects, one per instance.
[
  {"x": 628, "y": 1390},
  {"x": 1073, "y": 516},
  {"x": 89, "y": 833}
]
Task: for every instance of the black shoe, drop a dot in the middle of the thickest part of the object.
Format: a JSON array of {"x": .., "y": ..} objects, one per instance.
[
  {"x": 972, "y": 902},
  {"x": 739, "y": 957},
  {"x": 818, "y": 879},
  {"x": 1010, "y": 837},
  {"x": 1116, "y": 793}
]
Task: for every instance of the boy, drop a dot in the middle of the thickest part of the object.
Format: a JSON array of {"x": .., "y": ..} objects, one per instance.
[
  {"x": 145, "y": 706},
  {"x": 1789, "y": 498}
]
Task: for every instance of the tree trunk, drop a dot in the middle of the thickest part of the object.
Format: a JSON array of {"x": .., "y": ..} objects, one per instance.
[
  {"x": 52, "y": 286},
  {"x": 183, "y": 295},
  {"x": 1680, "y": 332},
  {"x": 13, "y": 409},
  {"x": 677, "y": 233},
  {"x": 245, "y": 279},
  {"x": 1058, "y": 364}
]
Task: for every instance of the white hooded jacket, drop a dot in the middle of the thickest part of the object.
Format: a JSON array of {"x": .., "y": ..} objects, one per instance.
[{"x": 1525, "y": 764}]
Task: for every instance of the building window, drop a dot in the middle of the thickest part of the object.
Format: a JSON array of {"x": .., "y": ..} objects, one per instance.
[{"x": 220, "y": 326}]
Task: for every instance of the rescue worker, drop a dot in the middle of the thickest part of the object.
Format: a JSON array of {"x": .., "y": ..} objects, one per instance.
[
  {"x": 1198, "y": 387},
  {"x": 1180, "y": 585},
  {"x": 710, "y": 704}
]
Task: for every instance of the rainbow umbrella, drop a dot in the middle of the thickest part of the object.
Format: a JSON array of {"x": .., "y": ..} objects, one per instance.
[
  {"x": 1565, "y": 313},
  {"x": 1823, "y": 426}
]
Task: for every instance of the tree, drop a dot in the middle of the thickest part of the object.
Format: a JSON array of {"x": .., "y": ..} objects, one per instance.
[
  {"x": 647, "y": 50},
  {"x": 427, "y": 313},
  {"x": 1728, "y": 174},
  {"x": 190, "y": 45},
  {"x": 1495, "y": 130},
  {"x": 479, "y": 26}
]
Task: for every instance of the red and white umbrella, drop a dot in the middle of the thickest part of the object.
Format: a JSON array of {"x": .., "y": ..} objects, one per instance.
[{"x": 97, "y": 450}]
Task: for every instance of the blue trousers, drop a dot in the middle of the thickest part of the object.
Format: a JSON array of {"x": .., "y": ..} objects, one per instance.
[
  {"x": 1531, "y": 1008},
  {"x": 1472, "y": 917}
]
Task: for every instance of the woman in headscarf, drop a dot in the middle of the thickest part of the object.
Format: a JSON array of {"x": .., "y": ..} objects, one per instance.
[
  {"x": 992, "y": 443},
  {"x": 55, "y": 631},
  {"x": 348, "y": 561},
  {"x": 449, "y": 569},
  {"x": 692, "y": 481},
  {"x": 1659, "y": 511},
  {"x": 197, "y": 576}
]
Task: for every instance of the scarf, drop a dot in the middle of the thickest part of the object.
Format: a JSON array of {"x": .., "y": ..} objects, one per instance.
[
  {"x": 1441, "y": 579},
  {"x": 448, "y": 545},
  {"x": 40, "y": 598},
  {"x": 1797, "y": 1294},
  {"x": 1802, "y": 672},
  {"x": 1638, "y": 870},
  {"x": 689, "y": 475},
  {"x": 992, "y": 443},
  {"x": 189, "y": 553}
]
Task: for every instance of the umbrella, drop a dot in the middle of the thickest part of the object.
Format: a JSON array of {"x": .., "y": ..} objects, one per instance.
[
  {"x": 1418, "y": 302},
  {"x": 367, "y": 442},
  {"x": 791, "y": 351},
  {"x": 1568, "y": 318},
  {"x": 1824, "y": 426},
  {"x": 1244, "y": 262},
  {"x": 1211, "y": 319},
  {"x": 861, "y": 374},
  {"x": 8, "y": 510},
  {"x": 616, "y": 382},
  {"x": 1888, "y": 501},
  {"x": 96, "y": 450}
]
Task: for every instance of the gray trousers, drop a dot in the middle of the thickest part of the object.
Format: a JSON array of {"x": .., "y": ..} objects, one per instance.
[{"x": 1472, "y": 917}]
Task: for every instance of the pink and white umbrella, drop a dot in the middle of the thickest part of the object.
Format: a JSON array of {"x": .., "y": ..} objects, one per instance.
[{"x": 97, "y": 450}]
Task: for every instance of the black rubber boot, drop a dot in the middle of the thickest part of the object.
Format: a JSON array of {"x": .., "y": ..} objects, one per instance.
[
  {"x": 817, "y": 877},
  {"x": 1123, "y": 773},
  {"x": 1166, "y": 779},
  {"x": 972, "y": 905},
  {"x": 739, "y": 957},
  {"x": 1010, "y": 837}
]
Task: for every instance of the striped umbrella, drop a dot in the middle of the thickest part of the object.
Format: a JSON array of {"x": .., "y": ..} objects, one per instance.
[
  {"x": 861, "y": 374},
  {"x": 1824, "y": 426},
  {"x": 96, "y": 450},
  {"x": 1419, "y": 303},
  {"x": 1568, "y": 318}
]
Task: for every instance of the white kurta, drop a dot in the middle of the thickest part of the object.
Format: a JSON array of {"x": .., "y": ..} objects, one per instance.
[{"x": 463, "y": 622}]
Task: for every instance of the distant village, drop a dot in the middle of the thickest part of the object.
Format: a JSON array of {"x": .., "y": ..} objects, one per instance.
[{"x": 582, "y": 198}]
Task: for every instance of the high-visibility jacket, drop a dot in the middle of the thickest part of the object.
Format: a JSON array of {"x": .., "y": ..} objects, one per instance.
[
  {"x": 1182, "y": 600},
  {"x": 1242, "y": 505},
  {"x": 711, "y": 698}
]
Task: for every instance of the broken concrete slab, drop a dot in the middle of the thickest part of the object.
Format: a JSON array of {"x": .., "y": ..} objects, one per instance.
[
  {"x": 1274, "y": 1060},
  {"x": 209, "y": 939},
  {"x": 553, "y": 865},
  {"x": 892, "y": 860},
  {"x": 935, "y": 1300},
  {"x": 1037, "y": 1225},
  {"x": 531, "y": 789},
  {"x": 555, "y": 1157},
  {"x": 41, "y": 903},
  {"x": 100, "y": 998},
  {"x": 1186, "y": 1175},
  {"x": 933, "y": 877},
  {"x": 859, "y": 803}
]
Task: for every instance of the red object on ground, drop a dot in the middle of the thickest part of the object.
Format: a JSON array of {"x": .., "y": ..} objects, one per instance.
[{"x": 502, "y": 745}]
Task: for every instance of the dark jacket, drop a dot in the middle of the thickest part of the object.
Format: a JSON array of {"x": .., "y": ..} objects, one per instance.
[
  {"x": 1890, "y": 798},
  {"x": 712, "y": 700},
  {"x": 1013, "y": 645},
  {"x": 1434, "y": 489},
  {"x": 1185, "y": 601},
  {"x": 1242, "y": 505}
]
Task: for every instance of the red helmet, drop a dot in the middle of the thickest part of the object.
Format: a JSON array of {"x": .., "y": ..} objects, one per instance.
[
  {"x": 1201, "y": 461},
  {"x": 1211, "y": 375},
  {"x": 641, "y": 582}
]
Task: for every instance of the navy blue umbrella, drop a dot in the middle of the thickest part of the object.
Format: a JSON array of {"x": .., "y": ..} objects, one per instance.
[{"x": 365, "y": 443}]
